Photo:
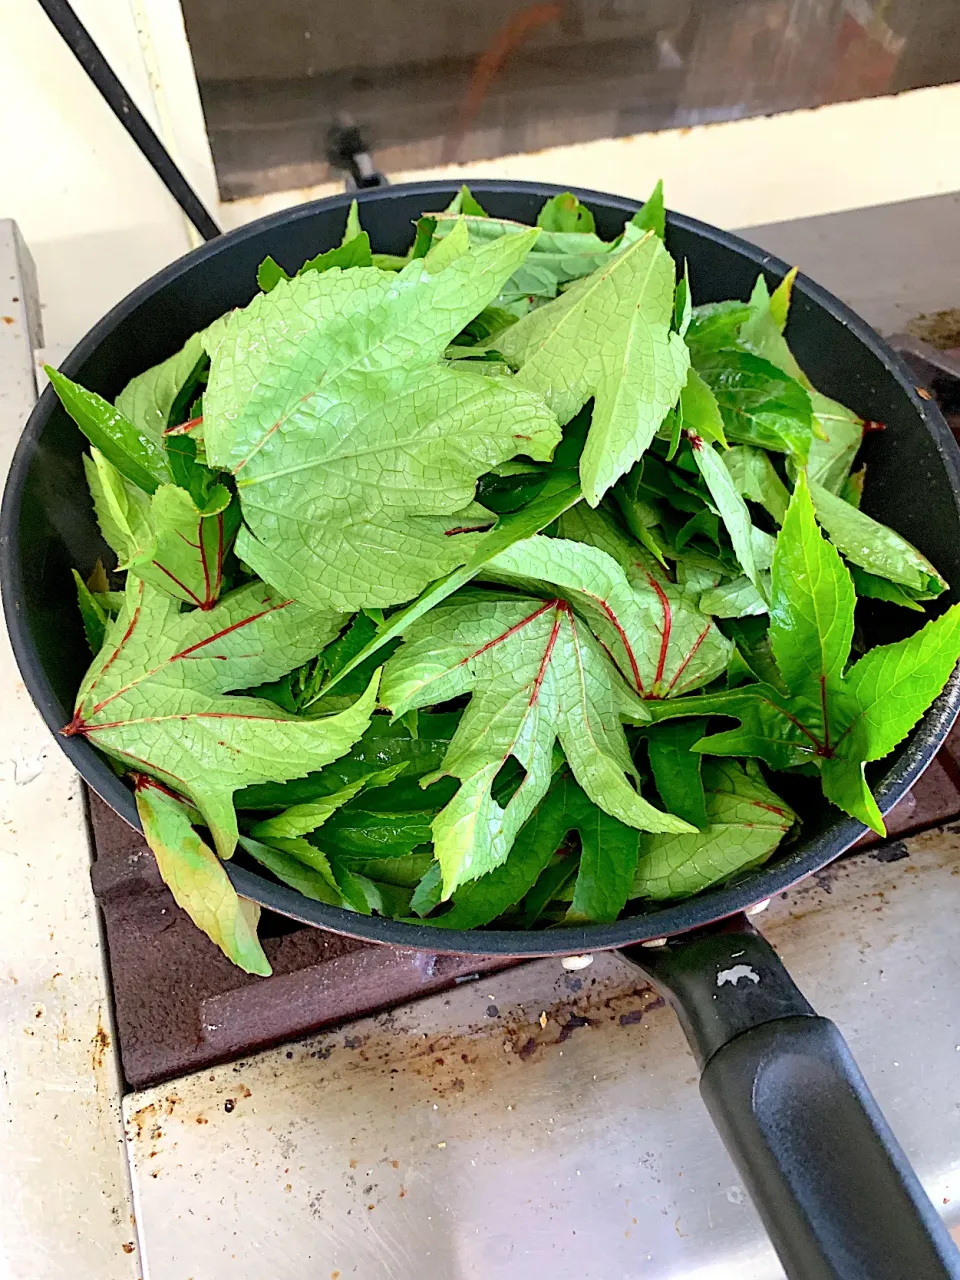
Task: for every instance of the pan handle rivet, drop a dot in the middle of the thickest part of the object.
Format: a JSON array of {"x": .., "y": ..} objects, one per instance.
[
  {"x": 577, "y": 962},
  {"x": 654, "y": 942},
  {"x": 758, "y": 907}
]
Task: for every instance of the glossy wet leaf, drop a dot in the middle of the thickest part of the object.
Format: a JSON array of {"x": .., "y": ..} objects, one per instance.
[
  {"x": 135, "y": 454},
  {"x": 760, "y": 405},
  {"x": 873, "y": 546}
]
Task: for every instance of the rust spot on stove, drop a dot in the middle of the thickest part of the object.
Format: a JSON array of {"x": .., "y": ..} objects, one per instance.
[
  {"x": 394, "y": 1164},
  {"x": 403, "y": 1192},
  {"x": 230, "y": 1105},
  {"x": 572, "y": 1024},
  {"x": 334, "y": 1275},
  {"x": 9, "y": 320},
  {"x": 528, "y": 1049},
  {"x": 170, "y": 1103},
  {"x": 100, "y": 1043},
  {"x": 353, "y": 1164},
  {"x": 202, "y": 1120},
  {"x": 140, "y": 1119},
  {"x": 129, "y": 1247}
]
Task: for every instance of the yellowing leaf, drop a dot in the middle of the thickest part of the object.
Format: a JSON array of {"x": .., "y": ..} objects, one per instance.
[{"x": 199, "y": 884}]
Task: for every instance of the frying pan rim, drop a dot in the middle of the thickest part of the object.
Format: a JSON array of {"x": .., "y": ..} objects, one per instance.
[{"x": 666, "y": 921}]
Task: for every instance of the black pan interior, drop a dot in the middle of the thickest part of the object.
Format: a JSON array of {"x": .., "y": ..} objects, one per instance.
[{"x": 47, "y": 524}]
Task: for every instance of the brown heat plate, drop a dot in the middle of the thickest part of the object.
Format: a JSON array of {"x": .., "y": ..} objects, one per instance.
[{"x": 181, "y": 1005}]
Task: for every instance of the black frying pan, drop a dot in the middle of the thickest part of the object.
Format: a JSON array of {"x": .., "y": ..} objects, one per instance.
[{"x": 831, "y": 1183}]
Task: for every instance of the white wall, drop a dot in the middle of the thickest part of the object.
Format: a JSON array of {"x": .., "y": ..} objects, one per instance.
[{"x": 97, "y": 219}]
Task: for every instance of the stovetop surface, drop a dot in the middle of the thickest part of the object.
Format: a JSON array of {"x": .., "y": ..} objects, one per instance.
[{"x": 540, "y": 1122}]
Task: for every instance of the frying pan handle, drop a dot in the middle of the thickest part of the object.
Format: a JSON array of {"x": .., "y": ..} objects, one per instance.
[{"x": 832, "y": 1184}]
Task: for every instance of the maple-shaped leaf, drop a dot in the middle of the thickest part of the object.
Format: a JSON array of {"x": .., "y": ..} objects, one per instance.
[
  {"x": 356, "y": 447},
  {"x": 165, "y": 539},
  {"x": 745, "y": 823},
  {"x": 660, "y": 643},
  {"x": 194, "y": 875},
  {"x": 835, "y": 718},
  {"x": 156, "y": 696},
  {"x": 608, "y": 336},
  {"x": 537, "y": 673}
]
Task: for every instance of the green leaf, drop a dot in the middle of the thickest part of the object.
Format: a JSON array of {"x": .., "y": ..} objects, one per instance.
[
  {"x": 811, "y": 605},
  {"x": 559, "y": 494},
  {"x": 354, "y": 252},
  {"x": 300, "y": 819},
  {"x": 94, "y": 616},
  {"x": 465, "y": 202},
  {"x": 269, "y": 274},
  {"x": 677, "y": 768},
  {"x": 293, "y": 872},
  {"x": 597, "y": 528},
  {"x": 199, "y": 884},
  {"x": 608, "y": 862},
  {"x": 189, "y": 474},
  {"x": 384, "y": 745},
  {"x": 155, "y": 697},
  {"x": 838, "y": 430},
  {"x": 652, "y": 215},
  {"x": 699, "y": 411},
  {"x": 745, "y": 823},
  {"x": 383, "y": 447},
  {"x": 381, "y": 833},
  {"x": 165, "y": 540},
  {"x": 352, "y": 229},
  {"x": 557, "y": 257},
  {"x": 479, "y": 901},
  {"x": 759, "y": 404},
  {"x": 154, "y": 400},
  {"x": 716, "y": 325},
  {"x": 834, "y": 721},
  {"x": 756, "y": 478},
  {"x": 564, "y": 213},
  {"x": 135, "y": 454},
  {"x": 733, "y": 510},
  {"x": 895, "y": 683},
  {"x": 873, "y": 546},
  {"x": 536, "y": 674},
  {"x": 402, "y": 872},
  {"x": 660, "y": 643},
  {"x": 426, "y": 896},
  {"x": 705, "y": 523},
  {"x": 736, "y": 598},
  {"x": 607, "y": 336},
  {"x": 869, "y": 585}
]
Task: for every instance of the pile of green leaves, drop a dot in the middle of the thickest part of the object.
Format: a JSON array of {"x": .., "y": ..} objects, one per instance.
[{"x": 491, "y": 583}]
